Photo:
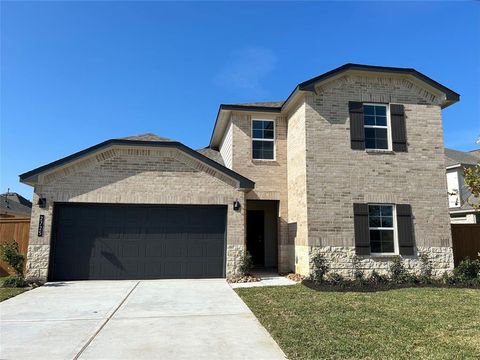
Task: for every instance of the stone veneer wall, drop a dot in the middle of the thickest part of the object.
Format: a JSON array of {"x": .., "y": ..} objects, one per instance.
[
  {"x": 338, "y": 176},
  {"x": 344, "y": 261},
  {"x": 270, "y": 177},
  {"x": 133, "y": 175}
]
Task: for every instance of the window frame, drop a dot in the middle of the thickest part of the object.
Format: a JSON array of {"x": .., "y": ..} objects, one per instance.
[
  {"x": 388, "y": 127},
  {"x": 396, "y": 250},
  {"x": 262, "y": 139}
]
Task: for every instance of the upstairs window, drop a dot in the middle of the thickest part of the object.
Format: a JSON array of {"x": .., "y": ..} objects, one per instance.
[
  {"x": 376, "y": 126},
  {"x": 263, "y": 139},
  {"x": 381, "y": 223}
]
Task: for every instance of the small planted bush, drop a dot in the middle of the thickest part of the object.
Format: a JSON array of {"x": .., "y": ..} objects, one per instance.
[
  {"x": 14, "y": 282},
  {"x": 399, "y": 274},
  {"x": 337, "y": 279},
  {"x": 246, "y": 264},
  {"x": 426, "y": 269},
  {"x": 358, "y": 274},
  {"x": 320, "y": 268},
  {"x": 467, "y": 270},
  {"x": 467, "y": 274},
  {"x": 10, "y": 254},
  {"x": 377, "y": 279},
  {"x": 397, "y": 270}
]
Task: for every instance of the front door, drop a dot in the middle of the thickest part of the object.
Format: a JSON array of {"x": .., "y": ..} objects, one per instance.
[{"x": 256, "y": 236}]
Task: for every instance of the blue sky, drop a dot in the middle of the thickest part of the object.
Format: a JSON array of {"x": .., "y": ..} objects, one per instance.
[{"x": 76, "y": 73}]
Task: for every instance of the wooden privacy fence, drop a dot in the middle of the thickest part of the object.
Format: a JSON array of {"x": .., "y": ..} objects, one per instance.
[
  {"x": 14, "y": 229},
  {"x": 466, "y": 241}
]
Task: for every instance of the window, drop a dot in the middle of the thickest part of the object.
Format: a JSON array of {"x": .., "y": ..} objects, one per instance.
[
  {"x": 263, "y": 139},
  {"x": 376, "y": 125},
  {"x": 381, "y": 223}
]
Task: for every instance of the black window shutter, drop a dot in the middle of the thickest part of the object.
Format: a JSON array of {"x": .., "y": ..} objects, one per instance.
[
  {"x": 357, "y": 131},
  {"x": 399, "y": 132},
  {"x": 406, "y": 241},
  {"x": 362, "y": 233}
]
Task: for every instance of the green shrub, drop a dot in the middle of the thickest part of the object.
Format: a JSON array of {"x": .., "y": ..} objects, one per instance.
[
  {"x": 320, "y": 268},
  {"x": 397, "y": 269},
  {"x": 358, "y": 274},
  {"x": 375, "y": 278},
  {"x": 336, "y": 279},
  {"x": 14, "y": 282},
  {"x": 467, "y": 270},
  {"x": 399, "y": 274},
  {"x": 426, "y": 269},
  {"x": 246, "y": 264},
  {"x": 10, "y": 254}
]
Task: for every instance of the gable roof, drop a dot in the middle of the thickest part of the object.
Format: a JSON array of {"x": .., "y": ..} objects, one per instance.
[
  {"x": 475, "y": 152},
  {"x": 9, "y": 204},
  {"x": 457, "y": 157},
  {"x": 212, "y": 154},
  {"x": 16, "y": 197},
  {"x": 243, "y": 183},
  {"x": 146, "y": 137},
  {"x": 309, "y": 85},
  {"x": 273, "y": 106},
  {"x": 450, "y": 94}
]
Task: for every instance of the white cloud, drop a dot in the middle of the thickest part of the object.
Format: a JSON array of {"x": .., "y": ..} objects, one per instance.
[{"x": 246, "y": 68}]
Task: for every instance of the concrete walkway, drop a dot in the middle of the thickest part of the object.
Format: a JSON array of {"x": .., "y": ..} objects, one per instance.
[{"x": 157, "y": 319}]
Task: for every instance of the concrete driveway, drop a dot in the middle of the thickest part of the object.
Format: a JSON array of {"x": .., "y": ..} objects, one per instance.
[{"x": 157, "y": 319}]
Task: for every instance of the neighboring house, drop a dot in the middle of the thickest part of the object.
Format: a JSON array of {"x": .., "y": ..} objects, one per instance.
[
  {"x": 459, "y": 196},
  {"x": 13, "y": 205},
  {"x": 350, "y": 165}
]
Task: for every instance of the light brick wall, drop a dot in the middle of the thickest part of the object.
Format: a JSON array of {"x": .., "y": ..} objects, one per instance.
[
  {"x": 297, "y": 191},
  {"x": 270, "y": 177},
  {"x": 337, "y": 176},
  {"x": 124, "y": 175}
]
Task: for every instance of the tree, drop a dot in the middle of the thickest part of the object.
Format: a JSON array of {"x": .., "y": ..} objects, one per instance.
[{"x": 472, "y": 180}]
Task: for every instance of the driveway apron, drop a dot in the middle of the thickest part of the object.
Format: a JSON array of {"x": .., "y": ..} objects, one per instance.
[{"x": 154, "y": 319}]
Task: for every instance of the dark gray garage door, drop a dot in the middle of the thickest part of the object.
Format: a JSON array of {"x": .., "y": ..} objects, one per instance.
[{"x": 137, "y": 242}]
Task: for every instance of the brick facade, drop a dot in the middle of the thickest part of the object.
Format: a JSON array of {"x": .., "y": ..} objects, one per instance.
[
  {"x": 270, "y": 177},
  {"x": 338, "y": 176},
  {"x": 315, "y": 177},
  {"x": 319, "y": 176},
  {"x": 124, "y": 175}
]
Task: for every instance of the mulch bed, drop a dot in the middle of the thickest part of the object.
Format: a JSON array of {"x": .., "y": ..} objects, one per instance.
[
  {"x": 243, "y": 279},
  {"x": 351, "y": 286}
]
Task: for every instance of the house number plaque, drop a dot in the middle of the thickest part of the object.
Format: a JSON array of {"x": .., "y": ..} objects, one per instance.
[{"x": 41, "y": 222}]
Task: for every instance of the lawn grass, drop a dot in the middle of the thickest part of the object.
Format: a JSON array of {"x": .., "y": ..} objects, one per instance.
[
  {"x": 426, "y": 323},
  {"x": 7, "y": 293}
]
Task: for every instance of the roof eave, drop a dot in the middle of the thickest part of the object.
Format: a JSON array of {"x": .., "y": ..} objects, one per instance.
[
  {"x": 31, "y": 177},
  {"x": 451, "y": 96},
  {"x": 222, "y": 116}
]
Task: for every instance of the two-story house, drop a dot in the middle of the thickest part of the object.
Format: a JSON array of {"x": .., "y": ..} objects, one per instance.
[
  {"x": 460, "y": 199},
  {"x": 350, "y": 164}
]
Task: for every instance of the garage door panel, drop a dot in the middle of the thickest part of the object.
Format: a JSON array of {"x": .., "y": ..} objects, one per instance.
[
  {"x": 154, "y": 249},
  {"x": 194, "y": 268},
  {"x": 130, "y": 249},
  {"x": 173, "y": 269},
  {"x": 213, "y": 249},
  {"x": 92, "y": 241},
  {"x": 174, "y": 248},
  {"x": 195, "y": 249}
]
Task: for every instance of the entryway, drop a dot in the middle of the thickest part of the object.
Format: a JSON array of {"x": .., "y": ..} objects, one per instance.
[{"x": 262, "y": 230}]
